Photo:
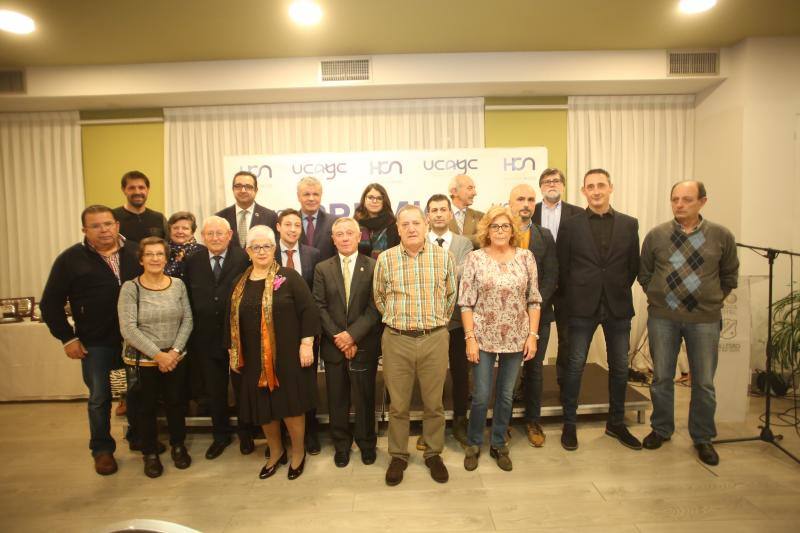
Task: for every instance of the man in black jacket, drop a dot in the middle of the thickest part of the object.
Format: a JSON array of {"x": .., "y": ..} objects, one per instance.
[
  {"x": 210, "y": 275},
  {"x": 540, "y": 242},
  {"x": 317, "y": 223},
  {"x": 598, "y": 257},
  {"x": 89, "y": 275},
  {"x": 246, "y": 213}
]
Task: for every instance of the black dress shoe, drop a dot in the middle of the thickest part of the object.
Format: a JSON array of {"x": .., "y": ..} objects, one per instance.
[
  {"x": 136, "y": 446},
  {"x": 269, "y": 471},
  {"x": 246, "y": 445},
  {"x": 152, "y": 466},
  {"x": 341, "y": 459},
  {"x": 707, "y": 453},
  {"x": 654, "y": 441},
  {"x": 181, "y": 457},
  {"x": 216, "y": 449},
  {"x": 312, "y": 444},
  {"x": 621, "y": 433},
  {"x": 295, "y": 473},
  {"x": 569, "y": 437},
  {"x": 368, "y": 456}
]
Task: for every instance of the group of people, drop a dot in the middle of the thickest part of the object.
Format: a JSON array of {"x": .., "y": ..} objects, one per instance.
[{"x": 424, "y": 289}]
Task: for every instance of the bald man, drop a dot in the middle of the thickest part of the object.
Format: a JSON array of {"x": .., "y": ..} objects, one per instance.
[
  {"x": 465, "y": 219},
  {"x": 539, "y": 240}
]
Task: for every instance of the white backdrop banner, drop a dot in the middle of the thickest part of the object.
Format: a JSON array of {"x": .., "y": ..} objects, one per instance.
[{"x": 408, "y": 176}]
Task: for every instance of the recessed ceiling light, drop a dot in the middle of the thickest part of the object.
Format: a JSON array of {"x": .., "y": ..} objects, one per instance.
[
  {"x": 16, "y": 22},
  {"x": 305, "y": 12},
  {"x": 696, "y": 6}
]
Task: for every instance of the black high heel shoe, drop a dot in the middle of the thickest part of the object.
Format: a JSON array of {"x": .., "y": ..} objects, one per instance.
[
  {"x": 268, "y": 471},
  {"x": 294, "y": 473}
]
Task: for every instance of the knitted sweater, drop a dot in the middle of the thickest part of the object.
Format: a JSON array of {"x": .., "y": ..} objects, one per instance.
[{"x": 686, "y": 276}]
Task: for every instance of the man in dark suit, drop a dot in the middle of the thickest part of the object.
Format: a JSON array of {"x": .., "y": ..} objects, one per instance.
[
  {"x": 210, "y": 275},
  {"x": 550, "y": 213},
  {"x": 291, "y": 253},
  {"x": 246, "y": 213},
  {"x": 316, "y": 222},
  {"x": 539, "y": 241},
  {"x": 598, "y": 255},
  {"x": 350, "y": 341}
]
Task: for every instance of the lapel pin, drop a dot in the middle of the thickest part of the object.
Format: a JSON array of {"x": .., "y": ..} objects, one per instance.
[{"x": 256, "y": 214}]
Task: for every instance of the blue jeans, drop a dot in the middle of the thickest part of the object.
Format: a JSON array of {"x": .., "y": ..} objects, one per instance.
[
  {"x": 507, "y": 372},
  {"x": 532, "y": 376},
  {"x": 581, "y": 330},
  {"x": 96, "y": 366},
  {"x": 702, "y": 349}
]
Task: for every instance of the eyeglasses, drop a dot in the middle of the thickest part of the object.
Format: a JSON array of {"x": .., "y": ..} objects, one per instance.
[
  {"x": 498, "y": 227},
  {"x": 101, "y": 225},
  {"x": 372, "y": 198},
  {"x": 553, "y": 181},
  {"x": 156, "y": 255},
  {"x": 262, "y": 249},
  {"x": 243, "y": 187}
]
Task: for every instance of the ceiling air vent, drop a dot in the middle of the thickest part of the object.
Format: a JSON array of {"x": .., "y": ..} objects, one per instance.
[
  {"x": 693, "y": 63},
  {"x": 345, "y": 70},
  {"x": 12, "y": 81}
]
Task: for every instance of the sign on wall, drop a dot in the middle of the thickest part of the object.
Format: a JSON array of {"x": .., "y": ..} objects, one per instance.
[{"x": 408, "y": 176}]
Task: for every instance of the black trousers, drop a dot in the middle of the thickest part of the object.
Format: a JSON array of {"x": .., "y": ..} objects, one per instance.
[
  {"x": 348, "y": 380},
  {"x": 215, "y": 376},
  {"x": 562, "y": 357},
  {"x": 312, "y": 426},
  {"x": 170, "y": 386},
  {"x": 459, "y": 372}
]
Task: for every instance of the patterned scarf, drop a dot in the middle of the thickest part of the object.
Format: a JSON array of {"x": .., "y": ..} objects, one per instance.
[{"x": 268, "y": 376}]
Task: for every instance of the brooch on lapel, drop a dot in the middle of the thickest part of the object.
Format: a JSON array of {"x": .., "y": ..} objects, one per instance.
[{"x": 277, "y": 282}]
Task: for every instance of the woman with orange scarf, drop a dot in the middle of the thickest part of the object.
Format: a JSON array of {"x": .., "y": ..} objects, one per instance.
[{"x": 272, "y": 322}]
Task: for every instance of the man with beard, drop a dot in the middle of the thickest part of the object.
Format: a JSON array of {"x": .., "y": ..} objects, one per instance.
[{"x": 135, "y": 220}]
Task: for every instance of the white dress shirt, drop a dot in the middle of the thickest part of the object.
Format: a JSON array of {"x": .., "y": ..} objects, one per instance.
[
  {"x": 295, "y": 257},
  {"x": 447, "y": 236},
  {"x": 248, "y": 217},
  {"x": 551, "y": 218}
]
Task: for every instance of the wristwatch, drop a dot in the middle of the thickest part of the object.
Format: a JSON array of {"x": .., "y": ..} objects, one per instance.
[{"x": 532, "y": 334}]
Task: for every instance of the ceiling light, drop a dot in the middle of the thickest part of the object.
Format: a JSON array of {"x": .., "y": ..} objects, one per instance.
[
  {"x": 16, "y": 22},
  {"x": 305, "y": 12},
  {"x": 696, "y": 6}
]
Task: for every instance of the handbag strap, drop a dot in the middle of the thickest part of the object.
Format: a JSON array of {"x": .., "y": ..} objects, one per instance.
[{"x": 136, "y": 284}]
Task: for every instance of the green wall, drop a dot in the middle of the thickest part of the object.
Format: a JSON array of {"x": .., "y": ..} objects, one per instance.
[{"x": 110, "y": 150}]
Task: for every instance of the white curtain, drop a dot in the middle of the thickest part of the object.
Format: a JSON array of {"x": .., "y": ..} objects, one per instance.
[
  {"x": 197, "y": 138},
  {"x": 42, "y": 189},
  {"x": 646, "y": 143}
]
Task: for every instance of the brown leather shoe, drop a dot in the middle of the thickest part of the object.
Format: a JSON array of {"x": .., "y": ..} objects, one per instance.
[
  {"x": 122, "y": 408},
  {"x": 105, "y": 464},
  {"x": 394, "y": 474},
  {"x": 437, "y": 468},
  {"x": 536, "y": 436}
]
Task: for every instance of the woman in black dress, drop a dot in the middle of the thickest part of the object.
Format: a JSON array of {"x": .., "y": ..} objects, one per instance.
[
  {"x": 272, "y": 322},
  {"x": 376, "y": 220}
]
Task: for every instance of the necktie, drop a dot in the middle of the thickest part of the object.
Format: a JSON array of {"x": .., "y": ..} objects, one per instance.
[
  {"x": 310, "y": 231},
  {"x": 290, "y": 259},
  {"x": 217, "y": 267},
  {"x": 460, "y": 220},
  {"x": 242, "y": 229},
  {"x": 346, "y": 274},
  {"x": 440, "y": 241}
]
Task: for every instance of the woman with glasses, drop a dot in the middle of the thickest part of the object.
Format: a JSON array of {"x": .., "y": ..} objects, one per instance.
[
  {"x": 182, "y": 243},
  {"x": 155, "y": 320},
  {"x": 271, "y": 324},
  {"x": 499, "y": 299},
  {"x": 376, "y": 220}
]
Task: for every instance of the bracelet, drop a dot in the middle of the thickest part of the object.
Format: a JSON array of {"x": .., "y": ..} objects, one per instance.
[
  {"x": 532, "y": 334},
  {"x": 468, "y": 331},
  {"x": 469, "y": 336}
]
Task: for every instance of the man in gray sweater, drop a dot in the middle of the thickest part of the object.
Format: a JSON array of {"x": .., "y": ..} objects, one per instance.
[{"x": 688, "y": 266}]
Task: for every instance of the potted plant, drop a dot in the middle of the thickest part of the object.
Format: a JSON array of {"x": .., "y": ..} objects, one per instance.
[{"x": 785, "y": 342}]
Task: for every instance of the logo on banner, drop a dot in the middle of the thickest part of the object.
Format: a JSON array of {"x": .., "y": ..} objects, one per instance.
[
  {"x": 450, "y": 164},
  {"x": 327, "y": 171},
  {"x": 516, "y": 164},
  {"x": 258, "y": 170},
  {"x": 382, "y": 168}
]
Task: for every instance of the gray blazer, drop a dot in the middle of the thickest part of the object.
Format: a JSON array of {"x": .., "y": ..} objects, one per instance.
[{"x": 460, "y": 246}]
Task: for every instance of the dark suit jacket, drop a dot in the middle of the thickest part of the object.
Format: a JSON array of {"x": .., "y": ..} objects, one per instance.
[
  {"x": 209, "y": 298},
  {"x": 585, "y": 276},
  {"x": 322, "y": 234},
  {"x": 544, "y": 251},
  {"x": 361, "y": 319},
  {"x": 567, "y": 211},
  {"x": 309, "y": 257},
  {"x": 262, "y": 216}
]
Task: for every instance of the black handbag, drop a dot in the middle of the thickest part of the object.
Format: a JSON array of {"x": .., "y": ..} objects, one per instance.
[{"x": 132, "y": 371}]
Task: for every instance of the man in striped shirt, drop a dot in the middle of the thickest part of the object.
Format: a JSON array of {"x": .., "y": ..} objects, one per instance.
[{"x": 415, "y": 291}]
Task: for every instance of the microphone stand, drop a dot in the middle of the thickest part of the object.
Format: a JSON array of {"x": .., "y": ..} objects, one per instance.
[{"x": 766, "y": 434}]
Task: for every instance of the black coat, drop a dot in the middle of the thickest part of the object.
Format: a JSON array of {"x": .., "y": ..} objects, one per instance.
[
  {"x": 585, "y": 275},
  {"x": 322, "y": 234},
  {"x": 567, "y": 211},
  {"x": 544, "y": 251},
  {"x": 82, "y": 276},
  {"x": 209, "y": 298},
  {"x": 262, "y": 216},
  {"x": 361, "y": 319}
]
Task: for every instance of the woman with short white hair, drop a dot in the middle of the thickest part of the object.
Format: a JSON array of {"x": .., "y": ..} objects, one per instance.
[{"x": 271, "y": 325}]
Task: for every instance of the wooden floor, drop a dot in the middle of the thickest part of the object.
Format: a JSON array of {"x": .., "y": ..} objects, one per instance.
[{"x": 47, "y": 483}]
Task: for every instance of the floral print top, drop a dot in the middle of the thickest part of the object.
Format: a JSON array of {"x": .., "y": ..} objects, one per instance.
[{"x": 499, "y": 296}]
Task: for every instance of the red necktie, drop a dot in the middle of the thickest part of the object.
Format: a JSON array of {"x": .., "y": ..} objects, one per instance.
[
  {"x": 310, "y": 231},
  {"x": 289, "y": 260}
]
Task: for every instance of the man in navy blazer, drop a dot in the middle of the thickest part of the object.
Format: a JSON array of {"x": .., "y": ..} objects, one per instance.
[
  {"x": 351, "y": 327},
  {"x": 317, "y": 223},
  {"x": 550, "y": 213},
  {"x": 246, "y": 213},
  {"x": 598, "y": 257}
]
